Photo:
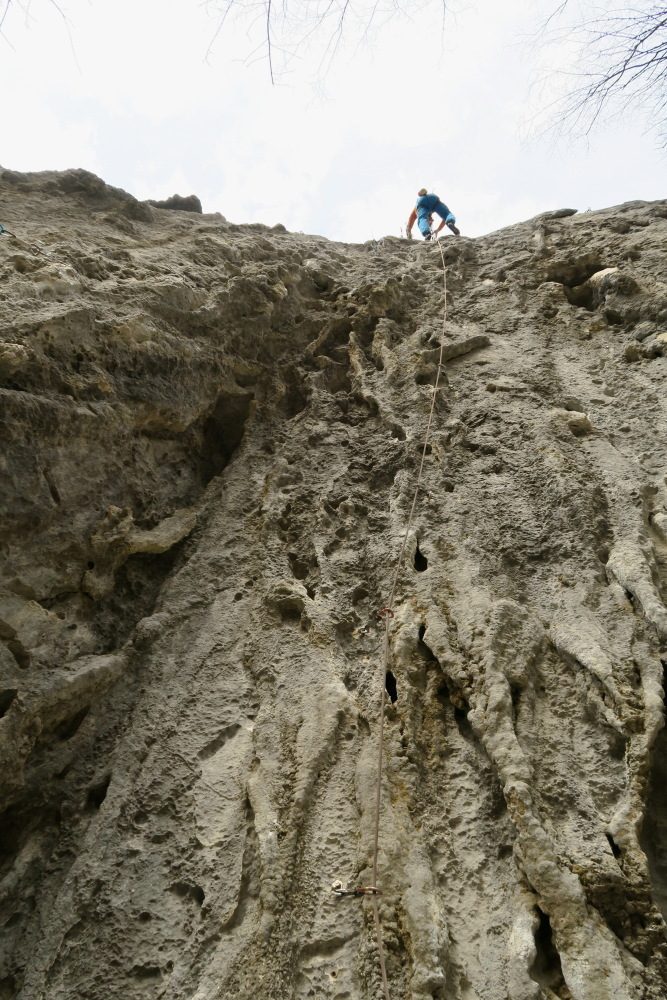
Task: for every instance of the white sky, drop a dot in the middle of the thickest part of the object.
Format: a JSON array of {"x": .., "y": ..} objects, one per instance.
[{"x": 132, "y": 95}]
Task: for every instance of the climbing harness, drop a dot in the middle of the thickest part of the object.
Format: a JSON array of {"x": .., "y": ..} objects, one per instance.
[
  {"x": 385, "y": 615},
  {"x": 362, "y": 890},
  {"x": 6, "y": 232}
]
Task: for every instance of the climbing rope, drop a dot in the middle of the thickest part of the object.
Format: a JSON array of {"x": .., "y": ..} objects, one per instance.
[
  {"x": 385, "y": 615},
  {"x": 6, "y": 232}
]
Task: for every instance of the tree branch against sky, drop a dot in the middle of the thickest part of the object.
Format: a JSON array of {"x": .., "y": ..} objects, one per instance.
[
  {"x": 620, "y": 65},
  {"x": 25, "y": 8},
  {"x": 616, "y": 55},
  {"x": 279, "y": 30}
]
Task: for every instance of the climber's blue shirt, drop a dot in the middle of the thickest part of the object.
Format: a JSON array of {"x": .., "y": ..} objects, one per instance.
[{"x": 426, "y": 203}]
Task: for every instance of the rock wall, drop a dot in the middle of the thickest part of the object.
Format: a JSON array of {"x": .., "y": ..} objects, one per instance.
[{"x": 210, "y": 437}]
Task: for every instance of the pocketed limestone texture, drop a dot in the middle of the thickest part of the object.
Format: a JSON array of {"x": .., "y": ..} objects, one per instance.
[{"x": 210, "y": 438}]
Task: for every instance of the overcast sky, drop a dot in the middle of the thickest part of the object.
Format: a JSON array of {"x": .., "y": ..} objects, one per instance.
[{"x": 143, "y": 93}]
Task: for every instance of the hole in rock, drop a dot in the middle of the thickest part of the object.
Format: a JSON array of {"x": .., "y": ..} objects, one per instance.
[
  {"x": 421, "y": 562},
  {"x": 210, "y": 749},
  {"x": 546, "y": 969},
  {"x": 223, "y": 432},
  {"x": 97, "y": 794},
  {"x": 295, "y": 398},
  {"x": 426, "y": 652},
  {"x": 390, "y": 684},
  {"x": 573, "y": 276},
  {"x": 20, "y": 653},
  {"x": 146, "y": 971},
  {"x": 300, "y": 569},
  {"x": 617, "y": 744},
  {"x": 18, "y": 826},
  {"x": 615, "y": 849},
  {"x": 138, "y": 582},
  {"x": 443, "y": 695},
  {"x": 187, "y": 891},
  {"x": 464, "y": 726},
  {"x": 359, "y": 594},
  {"x": 145, "y": 916},
  {"x": 6, "y": 698},
  {"x": 66, "y": 729},
  {"x": 573, "y": 273},
  {"x": 291, "y": 612},
  {"x": 8, "y": 988},
  {"x": 653, "y": 834}
]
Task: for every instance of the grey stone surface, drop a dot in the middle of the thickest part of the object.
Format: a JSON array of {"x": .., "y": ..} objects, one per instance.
[
  {"x": 178, "y": 203},
  {"x": 210, "y": 437}
]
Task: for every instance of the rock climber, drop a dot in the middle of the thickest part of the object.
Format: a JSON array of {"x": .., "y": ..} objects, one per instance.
[{"x": 422, "y": 212}]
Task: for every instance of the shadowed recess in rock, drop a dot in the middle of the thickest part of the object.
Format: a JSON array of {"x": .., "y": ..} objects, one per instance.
[
  {"x": 654, "y": 828},
  {"x": 222, "y": 432}
]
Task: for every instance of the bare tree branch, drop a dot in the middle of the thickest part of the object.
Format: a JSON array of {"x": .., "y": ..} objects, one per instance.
[
  {"x": 622, "y": 68},
  {"x": 291, "y": 25},
  {"x": 25, "y": 7}
]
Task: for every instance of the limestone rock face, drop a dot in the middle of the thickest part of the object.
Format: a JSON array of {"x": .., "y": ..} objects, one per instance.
[{"x": 210, "y": 439}]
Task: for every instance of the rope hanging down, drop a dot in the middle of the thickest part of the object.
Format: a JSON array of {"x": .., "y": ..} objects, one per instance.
[{"x": 385, "y": 615}]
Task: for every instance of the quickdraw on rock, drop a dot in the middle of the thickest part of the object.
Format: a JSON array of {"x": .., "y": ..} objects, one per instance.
[
  {"x": 6, "y": 232},
  {"x": 362, "y": 890},
  {"x": 378, "y": 619}
]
